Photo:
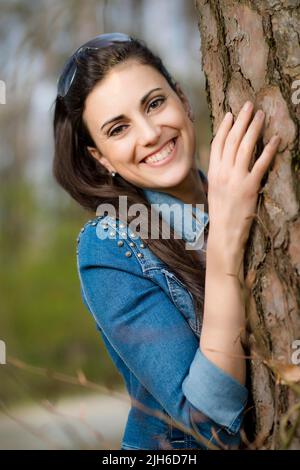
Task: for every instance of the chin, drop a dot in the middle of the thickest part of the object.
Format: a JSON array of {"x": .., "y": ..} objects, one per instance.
[{"x": 172, "y": 176}]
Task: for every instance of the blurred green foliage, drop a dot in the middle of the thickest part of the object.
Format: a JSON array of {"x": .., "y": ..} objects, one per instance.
[{"x": 43, "y": 320}]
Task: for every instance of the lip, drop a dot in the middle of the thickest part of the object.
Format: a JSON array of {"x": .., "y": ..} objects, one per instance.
[
  {"x": 158, "y": 150},
  {"x": 165, "y": 160}
]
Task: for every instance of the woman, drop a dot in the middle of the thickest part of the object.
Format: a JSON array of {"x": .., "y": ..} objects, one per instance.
[{"x": 124, "y": 132}]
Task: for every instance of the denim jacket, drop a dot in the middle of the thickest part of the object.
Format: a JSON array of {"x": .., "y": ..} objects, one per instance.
[{"x": 146, "y": 319}]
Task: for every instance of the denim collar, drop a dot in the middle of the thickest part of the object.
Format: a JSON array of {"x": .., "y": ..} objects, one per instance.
[{"x": 180, "y": 217}]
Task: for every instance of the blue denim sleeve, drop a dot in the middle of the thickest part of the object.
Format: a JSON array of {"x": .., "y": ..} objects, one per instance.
[
  {"x": 153, "y": 338},
  {"x": 217, "y": 387}
]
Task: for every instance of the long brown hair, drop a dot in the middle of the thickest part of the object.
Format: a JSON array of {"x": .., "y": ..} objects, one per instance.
[{"x": 88, "y": 181}]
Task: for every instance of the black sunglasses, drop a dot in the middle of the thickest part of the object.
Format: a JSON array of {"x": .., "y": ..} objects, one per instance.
[{"x": 69, "y": 70}]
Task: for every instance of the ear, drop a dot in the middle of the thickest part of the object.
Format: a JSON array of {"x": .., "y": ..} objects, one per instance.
[
  {"x": 185, "y": 101},
  {"x": 99, "y": 157}
]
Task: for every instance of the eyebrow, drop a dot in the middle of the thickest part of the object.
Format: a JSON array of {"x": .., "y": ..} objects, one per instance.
[{"x": 122, "y": 116}]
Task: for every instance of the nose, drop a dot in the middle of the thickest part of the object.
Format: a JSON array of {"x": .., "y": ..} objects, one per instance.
[{"x": 148, "y": 132}]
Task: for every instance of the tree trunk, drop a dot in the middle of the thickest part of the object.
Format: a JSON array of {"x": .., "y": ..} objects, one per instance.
[{"x": 251, "y": 50}]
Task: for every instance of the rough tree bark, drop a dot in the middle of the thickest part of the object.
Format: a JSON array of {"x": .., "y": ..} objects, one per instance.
[{"x": 251, "y": 50}]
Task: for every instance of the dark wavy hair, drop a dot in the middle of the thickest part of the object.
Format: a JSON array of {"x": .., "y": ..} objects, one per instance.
[{"x": 88, "y": 181}]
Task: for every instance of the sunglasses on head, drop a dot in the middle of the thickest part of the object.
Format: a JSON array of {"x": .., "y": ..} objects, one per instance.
[{"x": 69, "y": 71}]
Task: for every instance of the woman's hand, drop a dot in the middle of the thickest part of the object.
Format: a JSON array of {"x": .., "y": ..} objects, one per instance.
[{"x": 232, "y": 188}]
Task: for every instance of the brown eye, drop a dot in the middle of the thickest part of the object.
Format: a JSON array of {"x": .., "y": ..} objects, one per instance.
[
  {"x": 113, "y": 132},
  {"x": 155, "y": 101},
  {"x": 117, "y": 130}
]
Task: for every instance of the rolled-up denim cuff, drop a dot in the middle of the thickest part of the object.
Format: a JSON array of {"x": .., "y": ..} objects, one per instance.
[{"x": 215, "y": 393}]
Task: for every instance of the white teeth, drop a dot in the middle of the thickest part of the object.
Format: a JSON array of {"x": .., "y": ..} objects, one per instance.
[{"x": 164, "y": 153}]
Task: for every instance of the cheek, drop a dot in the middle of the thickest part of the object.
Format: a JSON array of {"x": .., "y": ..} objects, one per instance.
[
  {"x": 185, "y": 126},
  {"x": 173, "y": 117},
  {"x": 118, "y": 152},
  {"x": 124, "y": 151}
]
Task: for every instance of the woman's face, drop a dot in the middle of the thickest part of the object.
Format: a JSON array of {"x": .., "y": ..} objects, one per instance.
[{"x": 134, "y": 113}]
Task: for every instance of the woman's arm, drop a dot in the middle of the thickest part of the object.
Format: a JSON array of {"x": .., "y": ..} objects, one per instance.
[
  {"x": 224, "y": 310},
  {"x": 153, "y": 338},
  {"x": 232, "y": 199}
]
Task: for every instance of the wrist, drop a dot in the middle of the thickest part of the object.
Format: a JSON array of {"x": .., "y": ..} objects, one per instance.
[
  {"x": 228, "y": 233},
  {"x": 223, "y": 256}
]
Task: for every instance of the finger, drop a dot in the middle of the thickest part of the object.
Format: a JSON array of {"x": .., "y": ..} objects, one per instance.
[
  {"x": 263, "y": 162},
  {"x": 236, "y": 134},
  {"x": 249, "y": 142},
  {"x": 220, "y": 137}
]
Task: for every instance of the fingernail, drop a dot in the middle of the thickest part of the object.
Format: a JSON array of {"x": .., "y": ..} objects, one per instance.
[
  {"x": 247, "y": 106},
  {"x": 228, "y": 115},
  {"x": 275, "y": 140},
  {"x": 259, "y": 114}
]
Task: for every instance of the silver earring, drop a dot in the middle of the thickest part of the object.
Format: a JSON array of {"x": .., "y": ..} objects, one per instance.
[{"x": 113, "y": 174}]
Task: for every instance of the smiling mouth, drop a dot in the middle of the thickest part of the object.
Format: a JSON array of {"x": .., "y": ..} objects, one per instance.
[{"x": 165, "y": 154}]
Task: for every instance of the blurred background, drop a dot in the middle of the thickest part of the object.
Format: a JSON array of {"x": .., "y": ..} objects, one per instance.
[{"x": 54, "y": 354}]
